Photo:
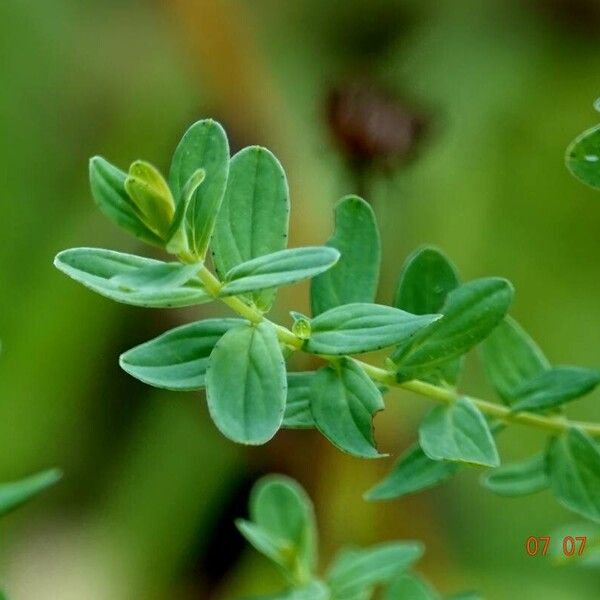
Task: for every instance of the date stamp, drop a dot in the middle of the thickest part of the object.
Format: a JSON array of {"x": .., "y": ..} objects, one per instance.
[{"x": 569, "y": 545}]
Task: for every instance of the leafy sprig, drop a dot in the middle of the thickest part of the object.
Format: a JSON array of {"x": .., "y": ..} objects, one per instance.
[
  {"x": 239, "y": 208},
  {"x": 282, "y": 526}
]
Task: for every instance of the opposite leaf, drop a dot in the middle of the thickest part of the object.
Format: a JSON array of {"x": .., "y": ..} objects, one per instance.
[
  {"x": 574, "y": 468},
  {"x": 518, "y": 478},
  {"x": 413, "y": 472},
  {"x": 410, "y": 587},
  {"x": 511, "y": 358},
  {"x": 132, "y": 279},
  {"x": 108, "y": 189},
  {"x": 14, "y": 494},
  {"x": 354, "y": 278},
  {"x": 178, "y": 359},
  {"x": 297, "y": 407},
  {"x": 583, "y": 157},
  {"x": 203, "y": 146},
  {"x": 253, "y": 220},
  {"x": 458, "y": 432},
  {"x": 343, "y": 401},
  {"x": 470, "y": 314},
  {"x": 555, "y": 387},
  {"x": 357, "y": 328},
  {"x": 277, "y": 269},
  {"x": 246, "y": 384}
]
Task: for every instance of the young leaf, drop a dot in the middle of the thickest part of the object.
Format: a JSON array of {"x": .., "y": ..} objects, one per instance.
[
  {"x": 413, "y": 472},
  {"x": 511, "y": 358},
  {"x": 356, "y": 328},
  {"x": 14, "y": 494},
  {"x": 357, "y": 570},
  {"x": 427, "y": 279},
  {"x": 246, "y": 384},
  {"x": 277, "y": 269},
  {"x": 297, "y": 407},
  {"x": 574, "y": 468},
  {"x": 108, "y": 190},
  {"x": 410, "y": 587},
  {"x": 203, "y": 146},
  {"x": 253, "y": 220},
  {"x": 177, "y": 360},
  {"x": 101, "y": 270},
  {"x": 151, "y": 196},
  {"x": 583, "y": 157},
  {"x": 354, "y": 278},
  {"x": 518, "y": 478},
  {"x": 283, "y": 512},
  {"x": 458, "y": 432},
  {"x": 470, "y": 314},
  {"x": 343, "y": 401},
  {"x": 555, "y": 387}
]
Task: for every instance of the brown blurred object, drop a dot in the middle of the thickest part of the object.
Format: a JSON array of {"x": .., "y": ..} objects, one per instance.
[
  {"x": 578, "y": 16},
  {"x": 372, "y": 127}
]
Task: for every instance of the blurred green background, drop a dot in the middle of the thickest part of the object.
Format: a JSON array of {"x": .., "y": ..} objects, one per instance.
[{"x": 151, "y": 488}]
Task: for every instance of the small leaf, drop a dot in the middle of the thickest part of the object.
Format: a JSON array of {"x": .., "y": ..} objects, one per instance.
[
  {"x": 277, "y": 269},
  {"x": 413, "y": 472},
  {"x": 297, "y": 407},
  {"x": 410, "y": 587},
  {"x": 583, "y": 157},
  {"x": 282, "y": 512},
  {"x": 356, "y": 328},
  {"x": 253, "y": 220},
  {"x": 354, "y": 278},
  {"x": 356, "y": 570},
  {"x": 427, "y": 278},
  {"x": 555, "y": 387},
  {"x": 151, "y": 196},
  {"x": 99, "y": 270},
  {"x": 246, "y": 384},
  {"x": 470, "y": 314},
  {"x": 108, "y": 189},
  {"x": 177, "y": 360},
  {"x": 343, "y": 403},
  {"x": 574, "y": 468},
  {"x": 14, "y": 494},
  {"x": 458, "y": 432},
  {"x": 203, "y": 146},
  {"x": 518, "y": 478},
  {"x": 511, "y": 358}
]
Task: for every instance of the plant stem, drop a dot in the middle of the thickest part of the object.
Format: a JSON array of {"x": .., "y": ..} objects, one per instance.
[{"x": 555, "y": 424}]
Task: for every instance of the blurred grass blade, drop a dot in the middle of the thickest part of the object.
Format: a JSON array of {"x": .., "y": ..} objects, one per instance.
[{"x": 14, "y": 494}]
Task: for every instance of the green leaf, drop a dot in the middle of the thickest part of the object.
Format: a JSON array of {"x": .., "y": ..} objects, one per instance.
[
  {"x": 470, "y": 314},
  {"x": 511, "y": 358},
  {"x": 14, "y": 494},
  {"x": 315, "y": 590},
  {"x": 253, "y": 220},
  {"x": 583, "y": 157},
  {"x": 151, "y": 196},
  {"x": 413, "y": 472},
  {"x": 246, "y": 384},
  {"x": 354, "y": 278},
  {"x": 108, "y": 190},
  {"x": 343, "y": 402},
  {"x": 458, "y": 432},
  {"x": 101, "y": 270},
  {"x": 277, "y": 269},
  {"x": 555, "y": 387},
  {"x": 297, "y": 407},
  {"x": 410, "y": 587},
  {"x": 356, "y": 328},
  {"x": 154, "y": 278},
  {"x": 355, "y": 570},
  {"x": 203, "y": 146},
  {"x": 282, "y": 512},
  {"x": 427, "y": 278},
  {"x": 178, "y": 359},
  {"x": 574, "y": 468},
  {"x": 518, "y": 478}
]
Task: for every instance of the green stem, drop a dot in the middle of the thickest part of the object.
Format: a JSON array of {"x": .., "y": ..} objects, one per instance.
[{"x": 555, "y": 424}]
